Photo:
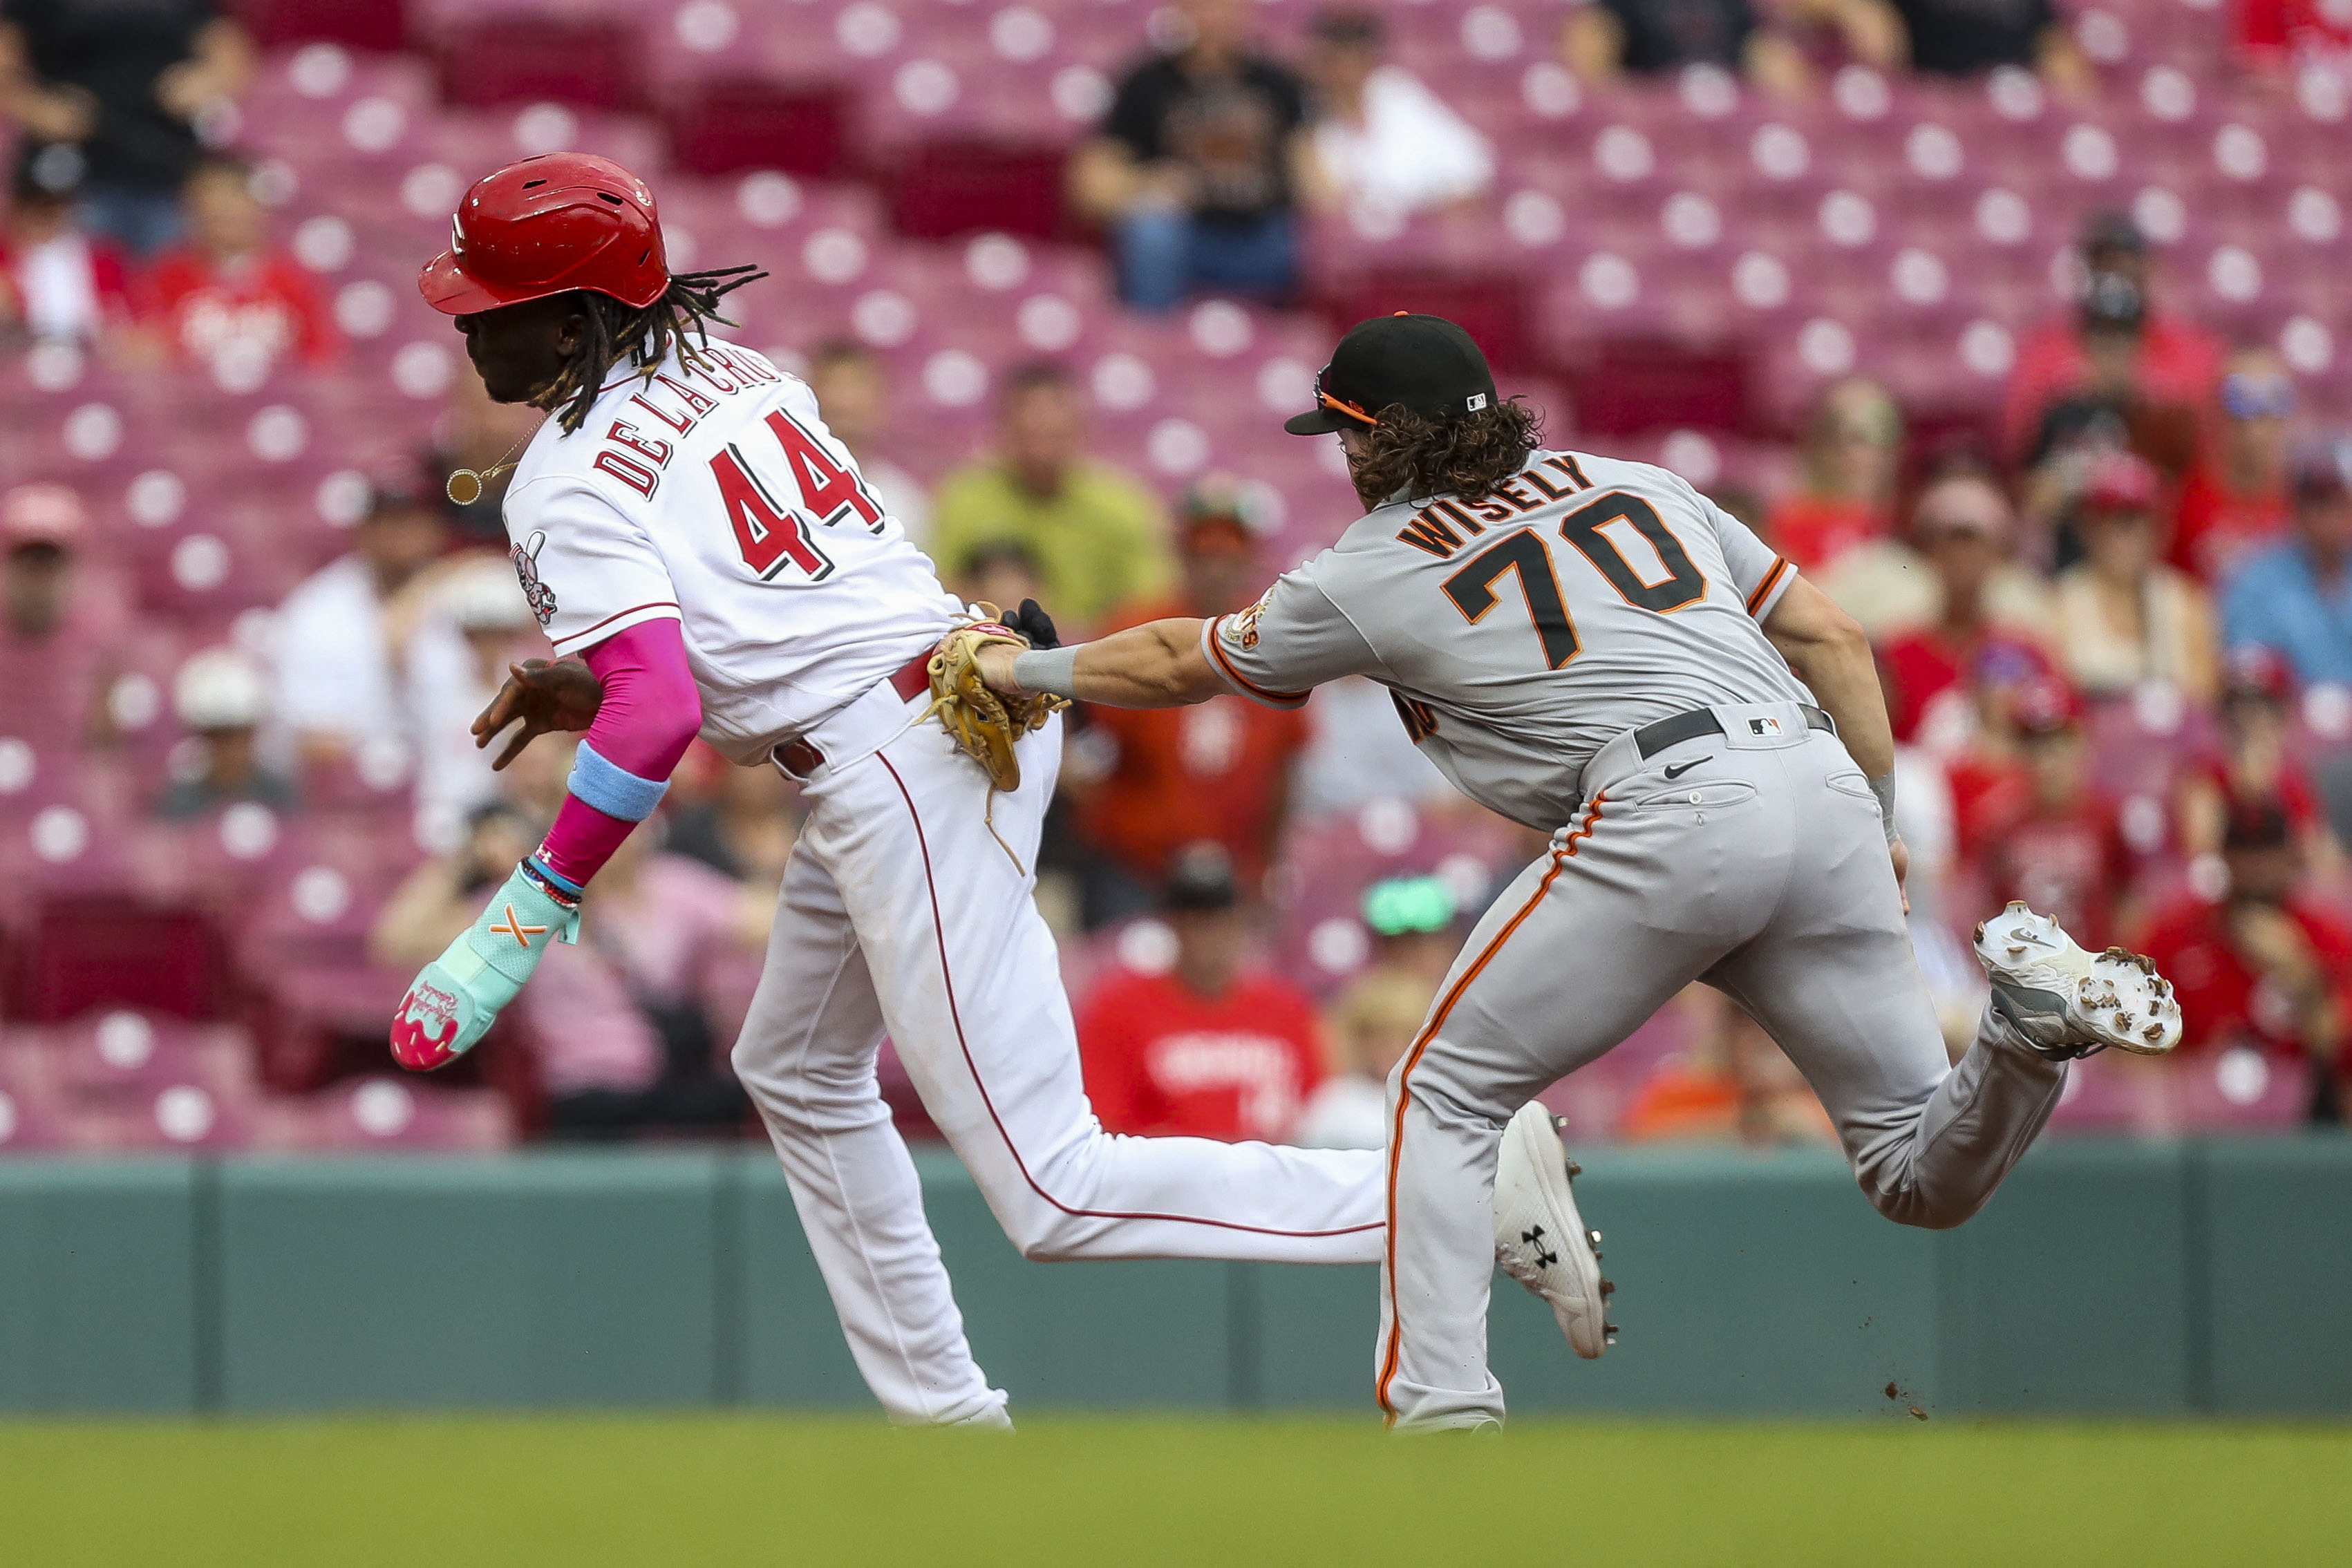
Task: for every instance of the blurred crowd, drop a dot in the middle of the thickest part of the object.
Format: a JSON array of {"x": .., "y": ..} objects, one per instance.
[{"x": 2114, "y": 627}]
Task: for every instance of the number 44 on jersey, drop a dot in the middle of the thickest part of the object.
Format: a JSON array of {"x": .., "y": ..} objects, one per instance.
[{"x": 774, "y": 537}]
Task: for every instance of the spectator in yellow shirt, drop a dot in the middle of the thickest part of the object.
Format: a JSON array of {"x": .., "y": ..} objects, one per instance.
[{"x": 1096, "y": 534}]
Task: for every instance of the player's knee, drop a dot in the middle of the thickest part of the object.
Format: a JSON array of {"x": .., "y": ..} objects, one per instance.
[
  {"x": 1924, "y": 1209},
  {"x": 1044, "y": 1235}
]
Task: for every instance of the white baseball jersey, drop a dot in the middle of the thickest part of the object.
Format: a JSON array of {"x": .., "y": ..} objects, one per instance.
[
  {"x": 711, "y": 494},
  {"x": 1585, "y": 598}
]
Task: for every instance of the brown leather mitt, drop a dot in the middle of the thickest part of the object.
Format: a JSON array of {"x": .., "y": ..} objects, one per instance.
[{"x": 984, "y": 723}]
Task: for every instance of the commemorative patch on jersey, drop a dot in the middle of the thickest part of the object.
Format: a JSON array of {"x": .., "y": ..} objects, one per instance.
[
  {"x": 1241, "y": 629},
  {"x": 525, "y": 557}
]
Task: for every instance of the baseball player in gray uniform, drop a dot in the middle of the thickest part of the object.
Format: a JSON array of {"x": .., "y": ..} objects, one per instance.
[{"x": 1590, "y": 647}]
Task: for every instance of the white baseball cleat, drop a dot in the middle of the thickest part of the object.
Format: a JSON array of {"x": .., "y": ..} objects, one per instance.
[
  {"x": 2068, "y": 1002},
  {"x": 1541, "y": 1239}
]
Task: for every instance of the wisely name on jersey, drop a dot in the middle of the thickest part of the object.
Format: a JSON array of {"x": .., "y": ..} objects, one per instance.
[{"x": 709, "y": 491}]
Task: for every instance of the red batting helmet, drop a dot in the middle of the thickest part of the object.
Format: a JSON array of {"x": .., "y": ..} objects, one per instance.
[{"x": 545, "y": 225}]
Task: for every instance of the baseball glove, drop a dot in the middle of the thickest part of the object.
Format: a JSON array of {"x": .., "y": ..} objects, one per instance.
[{"x": 984, "y": 723}]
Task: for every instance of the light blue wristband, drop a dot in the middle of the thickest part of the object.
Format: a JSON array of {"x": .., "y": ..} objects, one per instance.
[{"x": 613, "y": 790}]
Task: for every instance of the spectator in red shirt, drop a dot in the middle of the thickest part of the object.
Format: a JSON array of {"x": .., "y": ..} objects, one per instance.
[
  {"x": 227, "y": 292},
  {"x": 1854, "y": 446},
  {"x": 2253, "y": 767},
  {"x": 2120, "y": 349},
  {"x": 2235, "y": 500},
  {"x": 2276, "y": 35},
  {"x": 1212, "y": 1049},
  {"x": 58, "y": 284},
  {"x": 1963, "y": 525},
  {"x": 2259, "y": 966},
  {"x": 2044, "y": 834},
  {"x": 1217, "y": 772}
]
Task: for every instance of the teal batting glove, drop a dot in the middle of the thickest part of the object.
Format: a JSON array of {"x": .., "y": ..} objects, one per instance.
[{"x": 454, "y": 1003}]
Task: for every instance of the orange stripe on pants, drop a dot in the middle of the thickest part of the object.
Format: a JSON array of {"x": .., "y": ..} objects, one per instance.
[{"x": 1560, "y": 857}]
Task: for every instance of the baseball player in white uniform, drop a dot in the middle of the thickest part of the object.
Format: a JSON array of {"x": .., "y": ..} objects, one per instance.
[
  {"x": 686, "y": 526},
  {"x": 1589, "y": 647}
]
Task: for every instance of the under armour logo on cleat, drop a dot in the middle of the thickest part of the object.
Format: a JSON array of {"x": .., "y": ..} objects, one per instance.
[{"x": 516, "y": 929}]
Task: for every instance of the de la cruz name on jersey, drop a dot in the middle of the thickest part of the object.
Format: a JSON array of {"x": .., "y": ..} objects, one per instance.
[{"x": 706, "y": 489}]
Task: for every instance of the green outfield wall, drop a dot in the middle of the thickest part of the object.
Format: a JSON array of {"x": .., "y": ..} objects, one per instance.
[{"x": 2142, "y": 1278}]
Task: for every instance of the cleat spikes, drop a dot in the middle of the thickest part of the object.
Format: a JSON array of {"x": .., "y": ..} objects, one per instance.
[
  {"x": 2065, "y": 1002},
  {"x": 1541, "y": 1239}
]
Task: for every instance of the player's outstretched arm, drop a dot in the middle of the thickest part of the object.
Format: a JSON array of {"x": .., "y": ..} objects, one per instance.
[
  {"x": 636, "y": 698},
  {"x": 1830, "y": 654},
  {"x": 1156, "y": 665}
]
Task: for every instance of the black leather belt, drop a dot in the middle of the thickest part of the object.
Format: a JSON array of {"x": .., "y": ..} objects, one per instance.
[{"x": 1652, "y": 739}]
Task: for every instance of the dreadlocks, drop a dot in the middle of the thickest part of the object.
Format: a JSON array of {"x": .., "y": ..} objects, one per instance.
[
  {"x": 643, "y": 337},
  {"x": 1424, "y": 457}
]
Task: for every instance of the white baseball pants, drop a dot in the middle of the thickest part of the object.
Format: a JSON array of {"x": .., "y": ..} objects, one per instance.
[
  {"x": 1754, "y": 860},
  {"x": 902, "y": 914}
]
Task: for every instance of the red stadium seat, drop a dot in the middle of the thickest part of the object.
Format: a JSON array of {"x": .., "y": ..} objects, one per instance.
[
  {"x": 721, "y": 125},
  {"x": 1633, "y": 386},
  {"x": 361, "y": 23},
  {"x": 109, "y": 951},
  {"x": 944, "y": 188},
  {"x": 1492, "y": 307},
  {"x": 590, "y": 62}
]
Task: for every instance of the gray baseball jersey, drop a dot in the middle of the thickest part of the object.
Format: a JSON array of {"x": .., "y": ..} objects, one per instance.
[
  {"x": 1586, "y": 597},
  {"x": 1524, "y": 637}
]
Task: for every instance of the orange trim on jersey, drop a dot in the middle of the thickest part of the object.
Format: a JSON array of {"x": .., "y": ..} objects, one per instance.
[
  {"x": 1764, "y": 588},
  {"x": 1560, "y": 857},
  {"x": 618, "y": 615},
  {"x": 1217, "y": 650}
]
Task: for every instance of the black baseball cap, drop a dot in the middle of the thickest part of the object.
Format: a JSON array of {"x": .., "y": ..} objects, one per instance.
[{"x": 1424, "y": 362}]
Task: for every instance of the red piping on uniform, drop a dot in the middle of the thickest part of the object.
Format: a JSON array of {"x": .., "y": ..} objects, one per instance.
[
  {"x": 632, "y": 610},
  {"x": 939, "y": 931}
]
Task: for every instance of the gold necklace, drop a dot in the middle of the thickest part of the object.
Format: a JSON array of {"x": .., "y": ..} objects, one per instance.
[{"x": 465, "y": 486}]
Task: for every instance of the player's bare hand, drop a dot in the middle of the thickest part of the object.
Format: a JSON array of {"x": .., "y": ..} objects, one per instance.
[
  {"x": 995, "y": 662},
  {"x": 1901, "y": 854},
  {"x": 543, "y": 696}
]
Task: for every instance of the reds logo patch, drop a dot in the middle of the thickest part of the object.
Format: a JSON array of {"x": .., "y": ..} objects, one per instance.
[
  {"x": 526, "y": 564},
  {"x": 1241, "y": 629}
]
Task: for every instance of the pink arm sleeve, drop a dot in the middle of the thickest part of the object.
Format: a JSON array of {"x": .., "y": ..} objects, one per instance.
[{"x": 649, "y": 716}]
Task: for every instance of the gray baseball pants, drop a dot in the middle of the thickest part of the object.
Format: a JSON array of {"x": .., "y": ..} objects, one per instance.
[{"x": 1754, "y": 860}]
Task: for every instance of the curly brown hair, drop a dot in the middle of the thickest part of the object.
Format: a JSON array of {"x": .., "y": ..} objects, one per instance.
[{"x": 1426, "y": 457}]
